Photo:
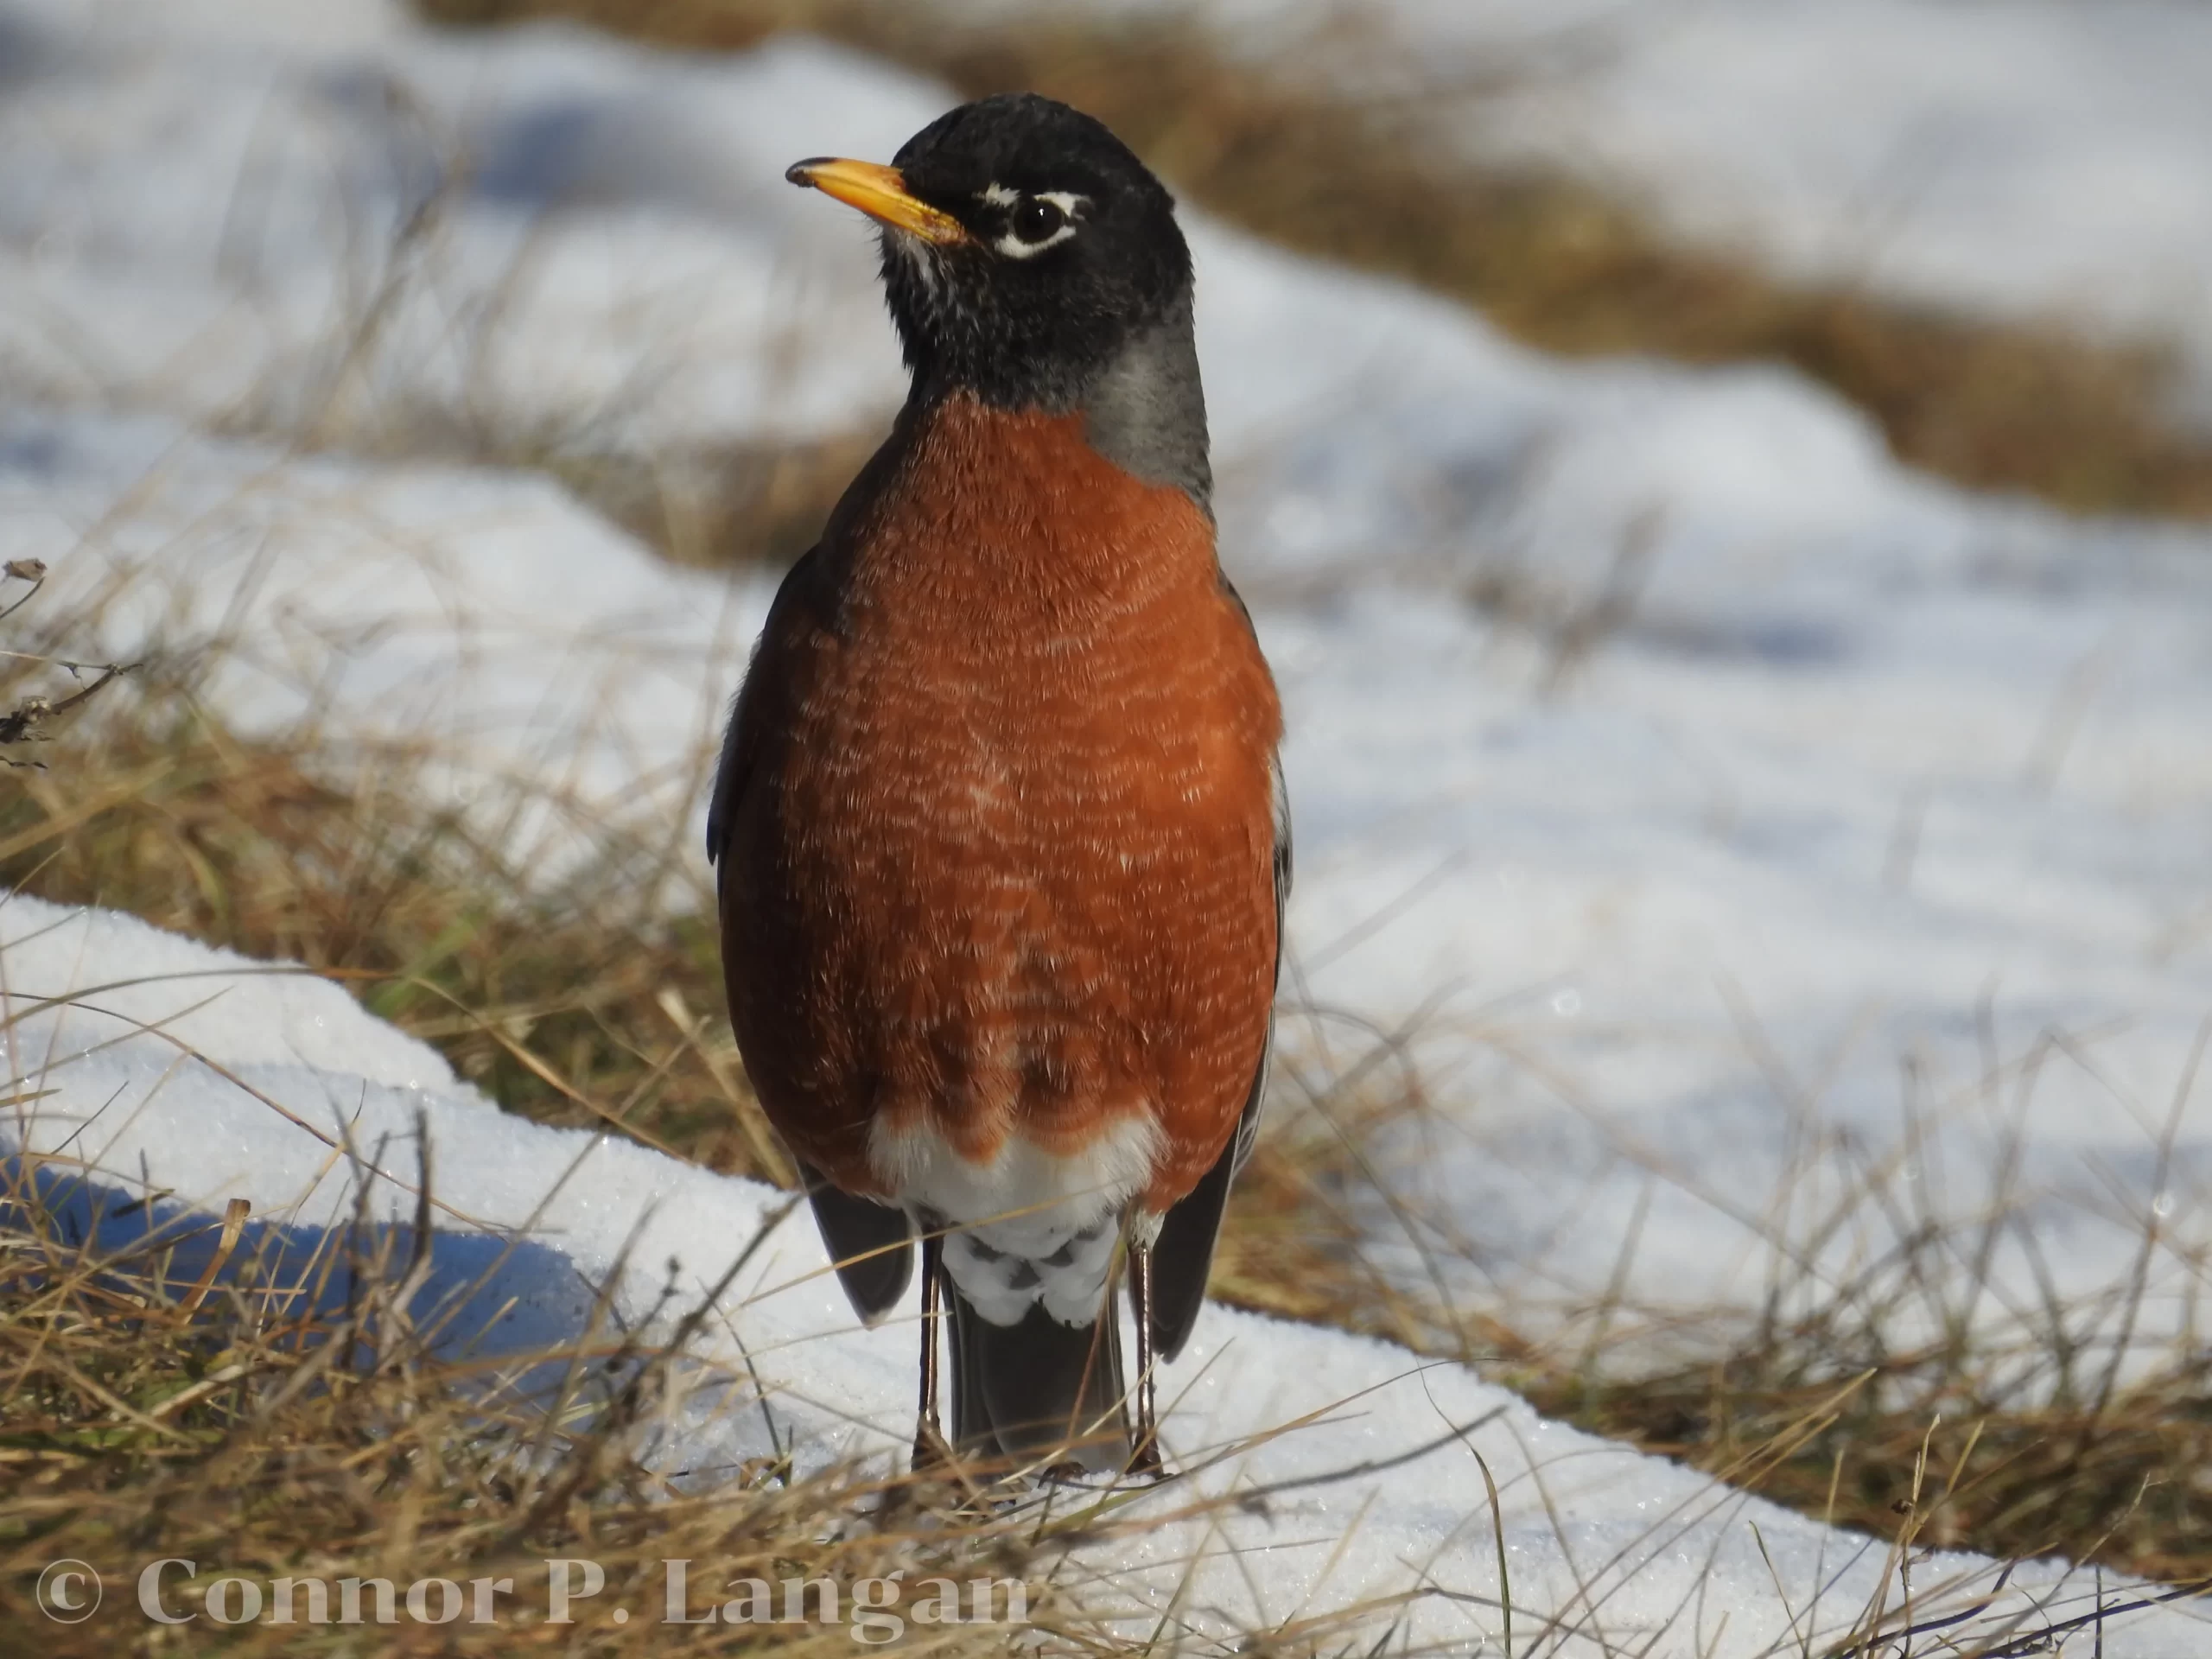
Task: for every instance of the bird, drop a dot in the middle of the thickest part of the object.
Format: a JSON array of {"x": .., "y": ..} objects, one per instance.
[{"x": 1001, "y": 836}]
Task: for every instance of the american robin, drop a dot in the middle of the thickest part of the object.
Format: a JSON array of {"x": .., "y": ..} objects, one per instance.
[{"x": 1002, "y": 835}]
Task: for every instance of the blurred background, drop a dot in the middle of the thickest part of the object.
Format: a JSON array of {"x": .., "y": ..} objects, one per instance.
[{"x": 1723, "y": 485}]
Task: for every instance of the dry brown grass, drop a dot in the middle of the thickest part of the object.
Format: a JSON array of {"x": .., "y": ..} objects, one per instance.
[
  {"x": 2017, "y": 1438},
  {"x": 234, "y": 1411},
  {"x": 1558, "y": 262},
  {"x": 575, "y": 1006},
  {"x": 1895, "y": 1387},
  {"x": 2122, "y": 1485}
]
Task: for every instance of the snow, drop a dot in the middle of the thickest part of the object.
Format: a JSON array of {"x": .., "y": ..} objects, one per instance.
[
  {"x": 1729, "y": 819},
  {"x": 2026, "y": 158},
  {"x": 158, "y": 1060},
  {"x": 233, "y": 243}
]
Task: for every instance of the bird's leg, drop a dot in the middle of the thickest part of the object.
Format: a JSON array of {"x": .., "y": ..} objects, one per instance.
[
  {"x": 929, "y": 1448},
  {"x": 1144, "y": 1454}
]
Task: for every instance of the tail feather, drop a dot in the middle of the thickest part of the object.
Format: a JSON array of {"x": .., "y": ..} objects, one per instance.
[{"x": 1027, "y": 1390}]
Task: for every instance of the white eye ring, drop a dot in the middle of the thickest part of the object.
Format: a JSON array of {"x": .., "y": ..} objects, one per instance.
[
  {"x": 1015, "y": 248},
  {"x": 1012, "y": 246}
]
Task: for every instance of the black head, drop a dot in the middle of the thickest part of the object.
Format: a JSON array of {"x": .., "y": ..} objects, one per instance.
[{"x": 1025, "y": 250}]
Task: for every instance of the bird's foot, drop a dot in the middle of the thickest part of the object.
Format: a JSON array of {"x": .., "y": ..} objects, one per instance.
[
  {"x": 932, "y": 1455},
  {"x": 940, "y": 1481},
  {"x": 1147, "y": 1464}
]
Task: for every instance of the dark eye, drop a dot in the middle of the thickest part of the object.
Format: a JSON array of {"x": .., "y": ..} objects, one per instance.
[{"x": 1034, "y": 220}]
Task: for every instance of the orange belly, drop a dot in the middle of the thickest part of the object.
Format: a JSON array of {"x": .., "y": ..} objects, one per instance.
[{"x": 1002, "y": 864}]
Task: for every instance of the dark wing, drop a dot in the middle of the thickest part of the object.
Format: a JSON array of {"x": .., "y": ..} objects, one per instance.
[
  {"x": 1184, "y": 1253},
  {"x": 742, "y": 743},
  {"x": 870, "y": 1244}
]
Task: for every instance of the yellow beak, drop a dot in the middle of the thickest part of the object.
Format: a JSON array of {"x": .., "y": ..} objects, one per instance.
[{"x": 879, "y": 192}]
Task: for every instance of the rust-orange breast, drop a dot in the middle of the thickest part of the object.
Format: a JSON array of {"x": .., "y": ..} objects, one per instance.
[{"x": 1000, "y": 858}]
